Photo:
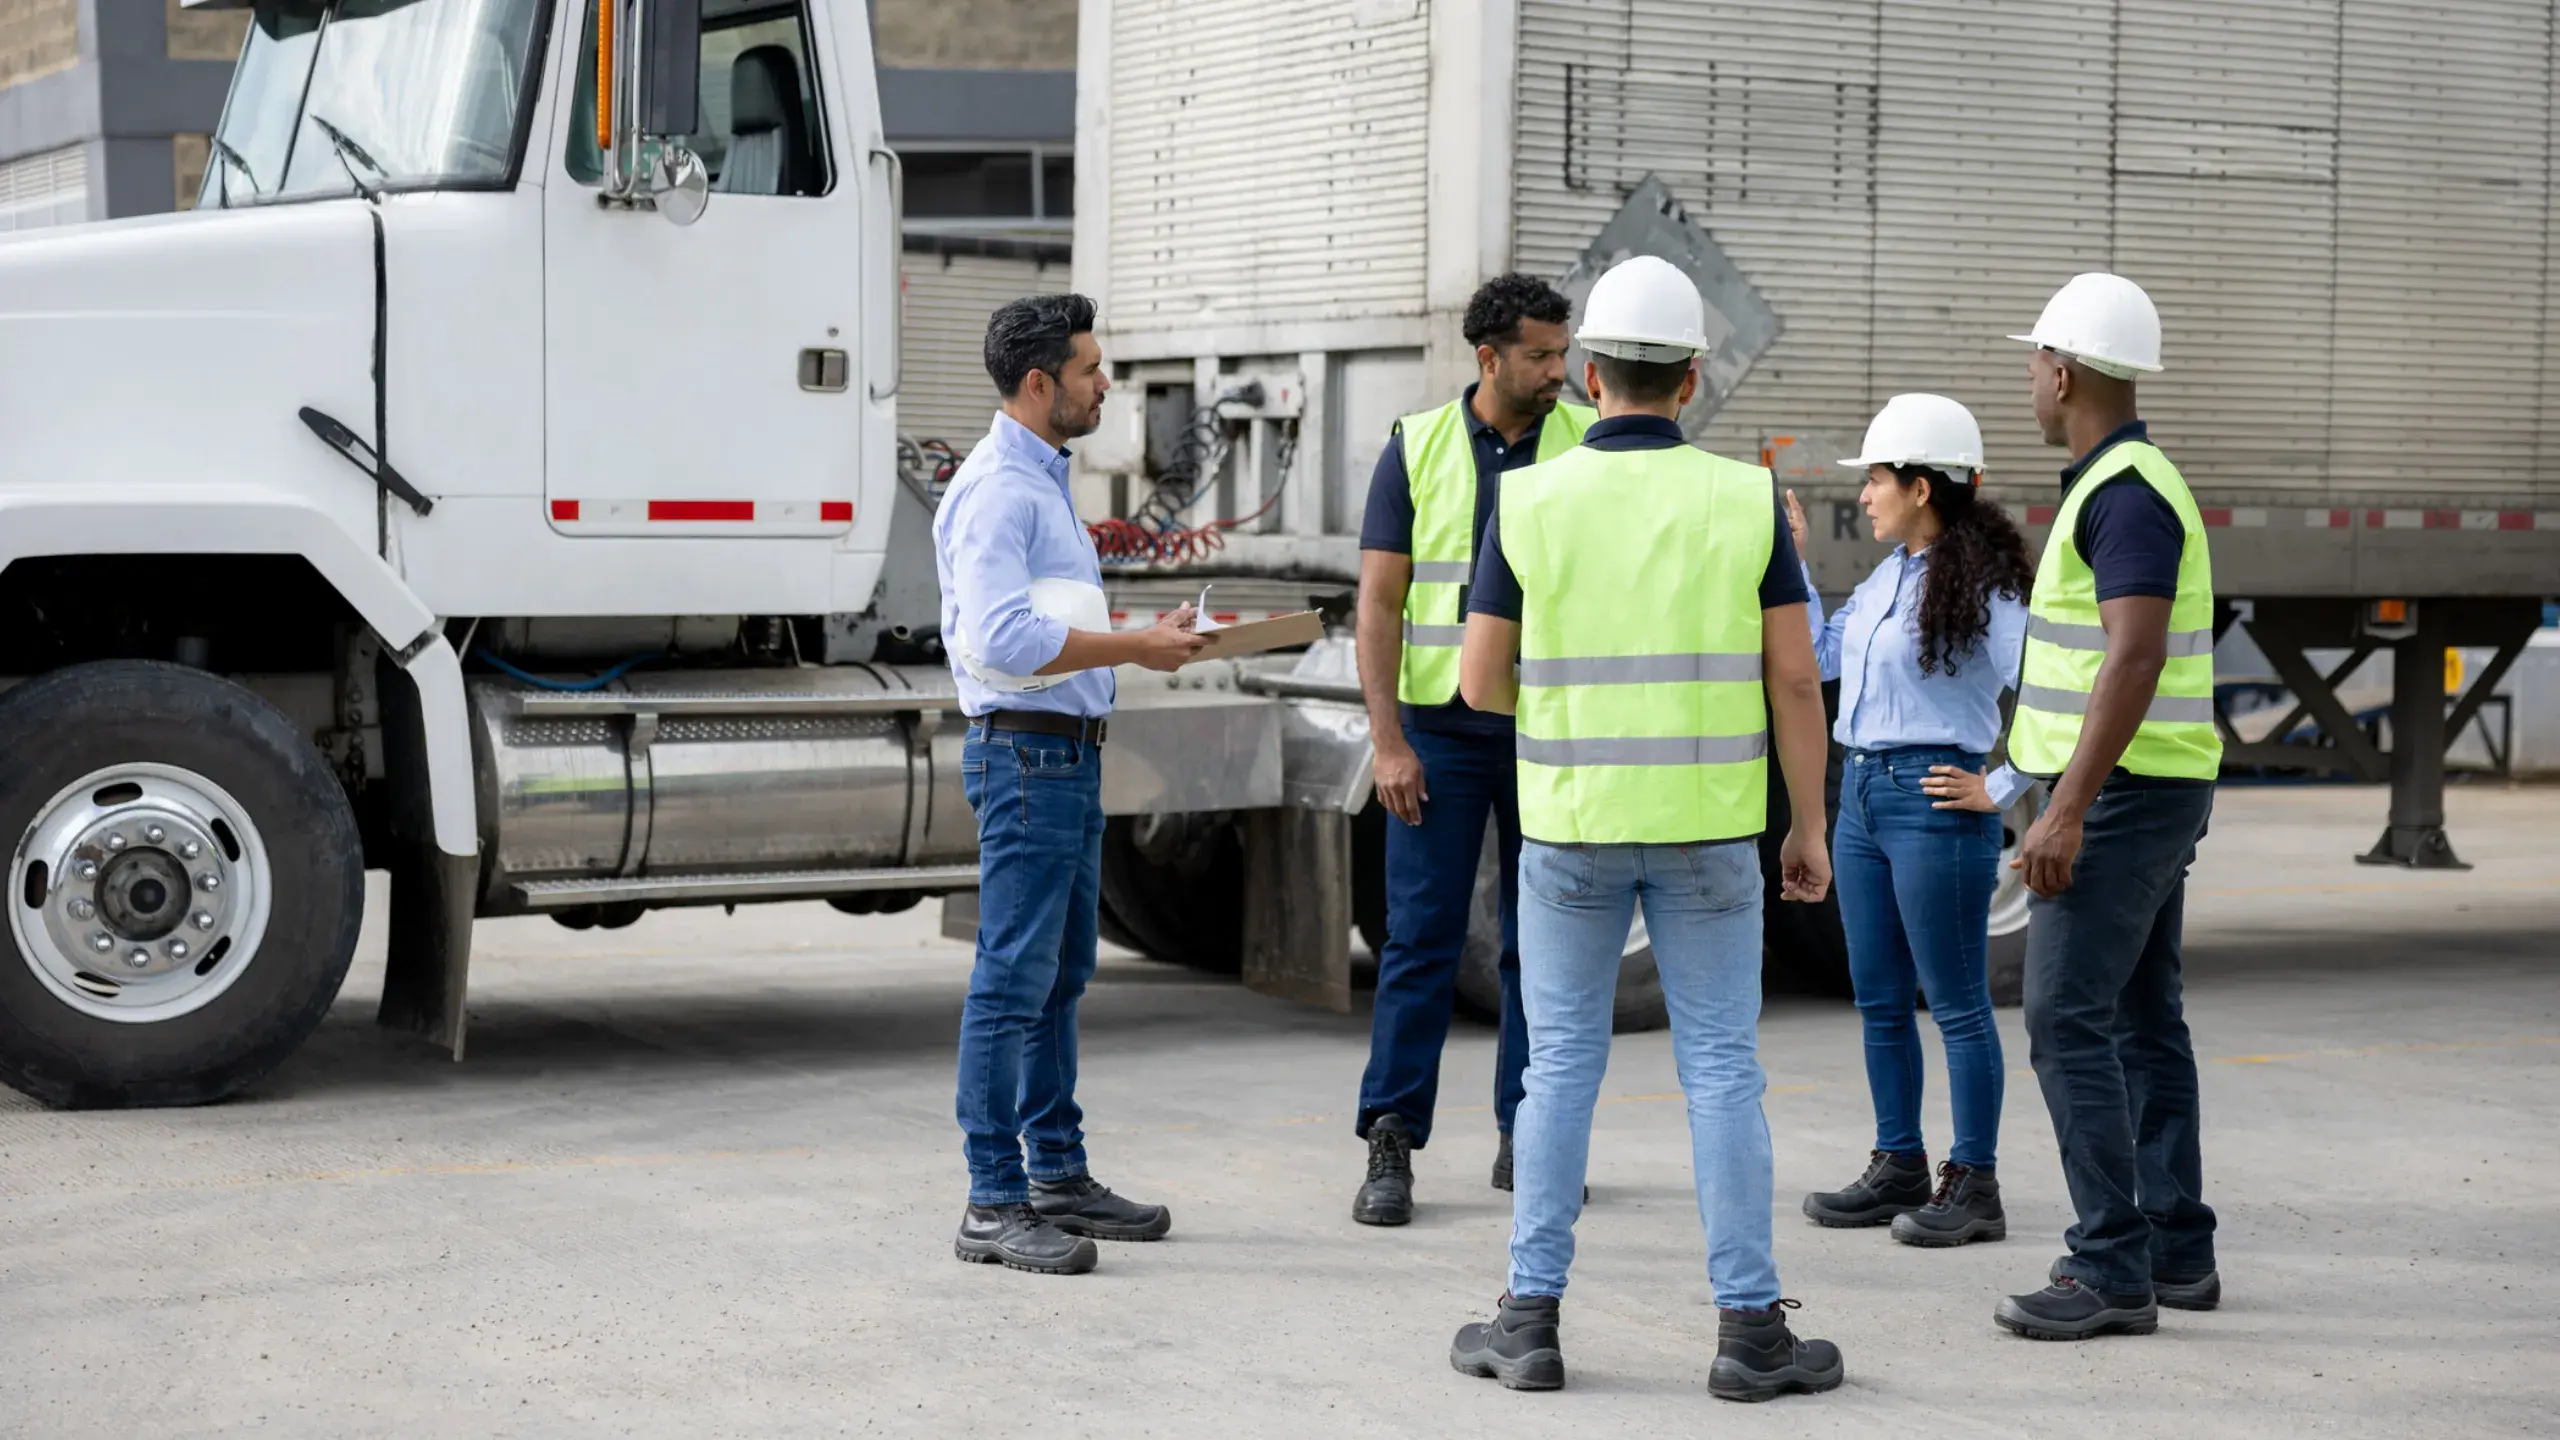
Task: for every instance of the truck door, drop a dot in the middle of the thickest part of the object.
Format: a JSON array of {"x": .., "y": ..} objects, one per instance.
[{"x": 698, "y": 380}]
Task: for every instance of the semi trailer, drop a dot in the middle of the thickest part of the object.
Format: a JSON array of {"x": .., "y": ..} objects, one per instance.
[{"x": 2342, "y": 208}]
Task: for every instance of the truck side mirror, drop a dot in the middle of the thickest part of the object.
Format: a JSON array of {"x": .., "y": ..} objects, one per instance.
[{"x": 670, "y": 68}]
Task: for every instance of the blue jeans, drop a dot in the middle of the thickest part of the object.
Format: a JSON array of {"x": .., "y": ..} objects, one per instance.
[
  {"x": 2107, "y": 1033},
  {"x": 1039, "y": 805},
  {"x": 1431, "y": 889},
  {"x": 1702, "y": 907},
  {"x": 1915, "y": 898}
]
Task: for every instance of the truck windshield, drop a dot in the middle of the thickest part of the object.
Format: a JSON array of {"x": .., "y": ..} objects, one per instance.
[{"x": 422, "y": 94}]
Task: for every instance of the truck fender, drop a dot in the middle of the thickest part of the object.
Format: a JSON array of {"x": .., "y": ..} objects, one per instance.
[{"x": 226, "y": 520}]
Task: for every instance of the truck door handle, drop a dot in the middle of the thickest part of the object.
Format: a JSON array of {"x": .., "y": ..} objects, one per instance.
[{"x": 823, "y": 371}]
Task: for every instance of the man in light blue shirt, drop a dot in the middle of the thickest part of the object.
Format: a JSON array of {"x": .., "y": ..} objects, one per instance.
[{"x": 1028, "y": 632}]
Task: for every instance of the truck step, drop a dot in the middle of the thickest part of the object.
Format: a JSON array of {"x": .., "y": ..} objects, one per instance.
[{"x": 773, "y": 885}]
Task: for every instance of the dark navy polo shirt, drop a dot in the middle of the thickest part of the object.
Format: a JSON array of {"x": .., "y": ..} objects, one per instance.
[
  {"x": 2127, "y": 533},
  {"x": 1388, "y": 526},
  {"x": 1497, "y": 589}
]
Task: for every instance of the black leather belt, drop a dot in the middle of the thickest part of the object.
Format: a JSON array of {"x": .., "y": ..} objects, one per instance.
[{"x": 1046, "y": 722}]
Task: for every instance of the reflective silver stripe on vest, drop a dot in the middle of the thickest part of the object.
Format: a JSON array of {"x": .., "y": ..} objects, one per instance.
[
  {"x": 1440, "y": 572},
  {"x": 1639, "y": 669},
  {"x": 2182, "y": 643},
  {"x": 2165, "y": 709},
  {"x": 1449, "y": 635},
  {"x": 1645, "y": 750}
]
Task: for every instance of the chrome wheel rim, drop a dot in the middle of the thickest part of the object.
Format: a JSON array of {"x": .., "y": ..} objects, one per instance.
[{"x": 140, "y": 893}]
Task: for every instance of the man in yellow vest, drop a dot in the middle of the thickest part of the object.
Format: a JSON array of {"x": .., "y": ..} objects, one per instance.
[
  {"x": 1444, "y": 770},
  {"x": 1649, "y": 596},
  {"x": 2115, "y": 710}
]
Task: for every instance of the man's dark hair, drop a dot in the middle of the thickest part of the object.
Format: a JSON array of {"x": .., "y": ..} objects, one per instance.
[
  {"x": 1501, "y": 303},
  {"x": 1036, "y": 332},
  {"x": 1647, "y": 382}
]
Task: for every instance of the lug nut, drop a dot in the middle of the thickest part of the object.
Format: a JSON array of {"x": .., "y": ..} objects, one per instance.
[
  {"x": 189, "y": 849},
  {"x": 204, "y": 920},
  {"x": 102, "y": 942},
  {"x": 85, "y": 869},
  {"x": 81, "y": 909},
  {"x": 177, "y": 949},
  {"x": 208, "y": 882},
  {"x": 115, "y": 840},
  {"x": 154, "y": 834},
  {"x": 138, "y": 958}
]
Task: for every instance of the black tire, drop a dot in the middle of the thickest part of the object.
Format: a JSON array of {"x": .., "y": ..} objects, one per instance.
[
  {"x": 1639, "y": 1003},
  {"x": 1176, "y": 888},
  {"x": 70, "y": 723}
]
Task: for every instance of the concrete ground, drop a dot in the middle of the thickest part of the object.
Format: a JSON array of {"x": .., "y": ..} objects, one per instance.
[{"x": 699, "y": 1177}]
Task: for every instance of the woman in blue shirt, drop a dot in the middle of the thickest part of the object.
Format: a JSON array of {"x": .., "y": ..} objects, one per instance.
[{"x": 1922, "y": 650}]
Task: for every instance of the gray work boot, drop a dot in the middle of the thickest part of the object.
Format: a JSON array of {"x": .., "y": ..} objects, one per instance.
[
  {"x": 1520, "y": 1346},
  {"x": 1759, "y": 1358},
  {"x": 1892, "y": 1185}
]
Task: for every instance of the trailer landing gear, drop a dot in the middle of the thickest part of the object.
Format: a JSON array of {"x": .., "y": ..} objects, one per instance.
[{"x": 2418, "y": 632}]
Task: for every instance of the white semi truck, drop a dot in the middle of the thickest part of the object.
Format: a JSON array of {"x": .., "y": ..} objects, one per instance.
[{"x": 426, "y": 501}]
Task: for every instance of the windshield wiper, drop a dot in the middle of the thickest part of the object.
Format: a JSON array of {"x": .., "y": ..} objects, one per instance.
[
  {"x": 222, "y": 150},
  {"x": 351, "y": 154}
]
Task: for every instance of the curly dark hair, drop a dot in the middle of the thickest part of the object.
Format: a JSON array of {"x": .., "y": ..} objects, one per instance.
[
  {"x": 1036, "y": 332},
  {"x": 1978, "y": 554},
  {"x": 1501, "y": 303}
]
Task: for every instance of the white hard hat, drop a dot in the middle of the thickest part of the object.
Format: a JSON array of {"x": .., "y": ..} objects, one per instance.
[
  {"x": 2103, "y": 321},
  {"x": 1922, "y": 430},
  {"x": 1644, "y": 309},
  {"x": 1081, "y": 606}
]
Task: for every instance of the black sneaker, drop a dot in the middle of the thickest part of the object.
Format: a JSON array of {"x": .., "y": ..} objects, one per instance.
[
  {"x": 1082, "y": 1205},
  {"x": 1893, "y": 1185},
  {"x": 2067, "y": 1310},
  {"x": 1015, "y": 1236},
  {"x": 1966, "y": 1207},
  {"x": 1519, "y": 1346},
  {"x": 2203, "y": 1292},
  {"x": 1386, "y": 1197},
  {"x": 1759, "y": 1358}
]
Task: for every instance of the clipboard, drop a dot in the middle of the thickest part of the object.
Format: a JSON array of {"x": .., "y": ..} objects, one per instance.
[{"x": 1253, "y": 637}]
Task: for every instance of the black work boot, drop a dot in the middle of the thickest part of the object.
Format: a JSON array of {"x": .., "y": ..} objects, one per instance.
[
  {"x": 1518, "y": 1347},
  {"x": 1386, "y": 1197},
  {"x": 1082, "y": 1205},
  {"x": 1759, "y": 1358},
  {"x": 1014, "y": 1235},
  {"x": 1893, "y": 1185},
  {"x": 1502, "y": 1164},
  {"x": 1965, "y": 1208},
  {"x": 2065, "y": 1309},
  {"x": 2200, "y": 1292}
]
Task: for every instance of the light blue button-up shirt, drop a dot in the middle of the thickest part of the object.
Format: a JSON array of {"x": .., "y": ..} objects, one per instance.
[
  {"x": 1007, "y": 520},
  {"x": 1871, "y": 645}
]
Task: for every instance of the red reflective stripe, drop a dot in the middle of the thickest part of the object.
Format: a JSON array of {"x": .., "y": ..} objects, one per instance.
[
  {"x": 2215, "y": 518},
  {"x": 2373, "y": 519},
  {"x": 685, "y": 511},
  {"x": 1223, "y": 617},
  {"x": 2341, "y": 519},
  {"x": 2443, "y": 520},
  {"x": 835, "y": 512},
  {"x": 2039, "y": 514},
  {"x": 564, "y": 509},
  {"x": 2515, "y": 520}
]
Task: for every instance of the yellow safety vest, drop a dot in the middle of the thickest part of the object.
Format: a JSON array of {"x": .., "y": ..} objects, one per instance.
[
  {"x": 1641, "y": 711},
  {"x": 1440, "y": 469},
  {"x": 2066, "y": 643}
]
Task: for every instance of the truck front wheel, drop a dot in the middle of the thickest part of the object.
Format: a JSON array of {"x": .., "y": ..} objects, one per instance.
[{"x": 184, "y": 890}]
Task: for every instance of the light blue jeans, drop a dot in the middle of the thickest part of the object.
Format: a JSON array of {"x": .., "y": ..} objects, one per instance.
[{"x": 1702, "y": 907}]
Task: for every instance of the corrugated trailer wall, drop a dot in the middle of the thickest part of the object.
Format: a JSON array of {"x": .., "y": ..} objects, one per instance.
[
  {"x": 2343, "y": 209},
  {"x": 1267, "y": 163},
  {"x": 946, "y": 394}
]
